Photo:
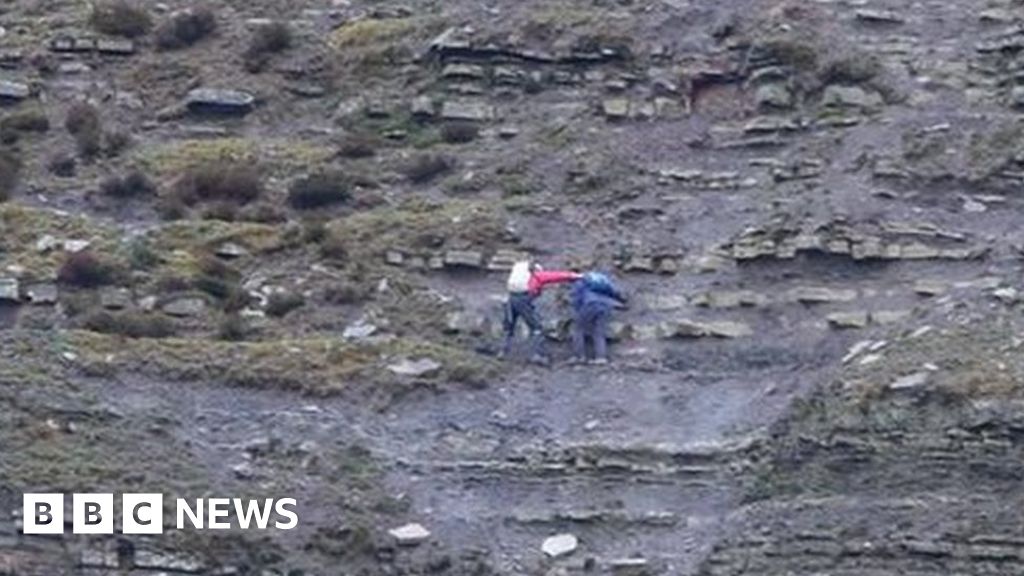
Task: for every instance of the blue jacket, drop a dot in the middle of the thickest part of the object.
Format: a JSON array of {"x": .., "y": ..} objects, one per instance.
[{"x": 583, "y": 296}]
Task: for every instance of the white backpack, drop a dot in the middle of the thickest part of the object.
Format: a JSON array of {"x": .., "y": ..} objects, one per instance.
[{"x": 519, "y": 277}]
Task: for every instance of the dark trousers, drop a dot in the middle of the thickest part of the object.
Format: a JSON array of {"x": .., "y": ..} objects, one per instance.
[
  {"x": 520, "y": 306},
  {"x": 591, "y": 322}
]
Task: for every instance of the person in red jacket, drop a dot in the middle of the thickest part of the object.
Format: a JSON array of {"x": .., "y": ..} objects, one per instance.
[{"x": 526, "y": 282}]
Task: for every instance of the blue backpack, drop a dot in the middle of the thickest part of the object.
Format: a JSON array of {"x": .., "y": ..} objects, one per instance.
[{"x": 600, "y": 283}]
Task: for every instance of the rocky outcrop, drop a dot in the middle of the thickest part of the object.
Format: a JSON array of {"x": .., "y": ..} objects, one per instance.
[{"x": 908, "y": 473}]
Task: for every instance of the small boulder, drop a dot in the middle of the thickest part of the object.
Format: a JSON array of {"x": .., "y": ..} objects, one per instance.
[
  {"x": 467, "y": 110},
  {"x": 115, "y": 47},
  {"x": 415, "y": 368},
  {"x": 773, "y": 96},
  {"x": 879, "y": 16},
  {"x": 463, "y": 259},
  {"x": 410, "y": 534},
  {"x": 884, "y": 317},
  {"x": 230, "y": 251},
  {"x": 116, "y": 298},
  {"x": 219, "y": 101},
  {"x": 185, "y": 307},
  {"x": 505, "y": 259},
  {"x": 9, "y": 289},
  {"x": 465, "y": 322},
  {"x": 915, "y": 380},
  {"x": 1008, "y": 295},
  {"x": 14, "y": 90},
  {"x": 41, "y": 293},
  {"x": 848, "y": 320},
  {"x": 727, "y": 329},
  {"x": 930, "y": 288},
  {"x": 560, "y": 545},
  {"x": 46, "y": 243},
  {"x": 837, "y": 96},
  {"x": 615, "y": 108},
  {"x": 359, "y": 331},
  {"x": 629, "y": 566},
  {"x": 821, "y": 295},
  {"x": 74, "y": 246},
  {"x": 423, "y": 107}
]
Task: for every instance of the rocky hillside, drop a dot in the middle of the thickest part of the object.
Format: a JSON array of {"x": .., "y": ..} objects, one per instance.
[{"x": 259, "y": 248}]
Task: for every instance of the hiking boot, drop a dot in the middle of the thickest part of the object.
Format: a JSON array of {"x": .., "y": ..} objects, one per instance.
[{"x": 599, "y": 361}]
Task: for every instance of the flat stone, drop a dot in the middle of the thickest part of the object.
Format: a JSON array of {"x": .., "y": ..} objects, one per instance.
[
  {"x": 640, "y": 264},
  {"x": 666, "y": 302},
  {"x": 72, "y": 44},
  {"x": 423, "y": 107},
  {"x": 14, "y": 90},
  {"x": 730, "y": 299},
  {"x": 410, "y": 534},
  {"x": 467, "y": 110},
  {"x": 359, "y": 331},
  {"x": 463, "y": 259},
  {"x": 216, "y": 100},
  {"x": 41, "y": 293},
  {"x": 727, "y": 329},
  {"x": 155, "y": 560},
  {"x": 465, "y": 322},
  {"x": 185, "y": 307},
  {"x": 505, "y": 259},
  {"x": 508, "y": 132},
  {"x": 918, "y": 251},
  {"x": 9, "y": 289},
  {"x": 560, "y": 545},
  {"x": 450, "y": 39},
  {"x": 629, "y": 566},
  {"x": 1007, "y": 295},
  {"x": 461, "y": 71},
  {"x": 115, "y": 47},
  {"x": 890, "y": 316},
  {"x": 415, "y": 368},
  {"x": 996, "y": 16},
  {"x": 615, "y": 108},
  {"x": 73, "y": 68},
  {"x": 930, "y": 288},
  {"x": 243, "y": 471},
  {"x": 879, "y": 16},
  {"x": 821, "y": 295},
  {"x": 915, "y": 380},
  {"x": 116, "y": 298},
  {"x": 46, "y": 243},
  {"x": 74, "y": 246},
  {"x": 230, "y": 250},
  {"x": 837, "y": 96},
  {"x": 774, "y": 96},
  {"x": 848, "y": 319},
  {"x": 375, "y": 109},
  {"x": 686, "y": 328},
  {"x": 710, "y": 263}
]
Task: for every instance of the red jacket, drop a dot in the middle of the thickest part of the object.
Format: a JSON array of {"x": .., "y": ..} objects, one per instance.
[{"x": 541, "y": 278}]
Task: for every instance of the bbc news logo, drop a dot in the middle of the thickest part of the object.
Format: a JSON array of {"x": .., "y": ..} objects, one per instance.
[{"x": 144, "y": 514}]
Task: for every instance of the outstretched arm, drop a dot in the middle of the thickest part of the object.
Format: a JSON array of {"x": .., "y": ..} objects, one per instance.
[{"x": 545, "y": 277}]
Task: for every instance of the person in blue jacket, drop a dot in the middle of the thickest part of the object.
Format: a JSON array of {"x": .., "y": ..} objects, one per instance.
[{"x": 594, "y": 296}]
